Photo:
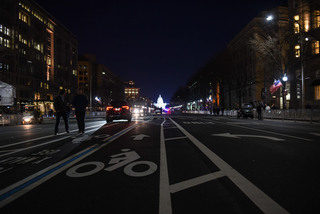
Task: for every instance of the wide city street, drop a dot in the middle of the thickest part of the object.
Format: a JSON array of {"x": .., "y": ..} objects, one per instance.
[{"x": 170, "y": 163}]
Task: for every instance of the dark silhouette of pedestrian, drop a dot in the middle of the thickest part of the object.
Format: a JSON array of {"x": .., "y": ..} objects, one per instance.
[
  {"x": 60, "y": 105},
  {"x": 259, "y": 108},
  {"x": 308, "y": 106},
  {"x": 80, "y": 102}
]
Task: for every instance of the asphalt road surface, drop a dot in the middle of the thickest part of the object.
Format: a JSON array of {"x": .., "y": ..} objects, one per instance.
[{"x": 161, "y": 164}]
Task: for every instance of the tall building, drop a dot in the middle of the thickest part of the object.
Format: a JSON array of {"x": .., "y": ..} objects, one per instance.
[
  {"x": 131, "y": 91},
  {"x": 99, "y": 84},
  {"x": 38, "y": 55},
  {"x": 252, "y": 69},
  {"x": 304, "y": 19}
]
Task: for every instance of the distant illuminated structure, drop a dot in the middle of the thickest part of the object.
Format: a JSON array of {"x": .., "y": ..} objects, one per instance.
[
  {"x": 160, "y": 103},
  {"x": 131, "y": 91}
]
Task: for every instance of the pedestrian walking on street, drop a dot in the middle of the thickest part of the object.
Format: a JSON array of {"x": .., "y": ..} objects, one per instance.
[
  {"x": 80, "y": 103},
  {"x": 259, "y": 108},
  {"x": 60, "y": 105}
]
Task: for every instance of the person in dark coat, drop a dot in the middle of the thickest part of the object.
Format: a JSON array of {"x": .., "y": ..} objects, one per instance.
[
  {"x": 259, "y": 109},
  {"x": 60, "y": 105},
  {"x": 80, "y": 102}
]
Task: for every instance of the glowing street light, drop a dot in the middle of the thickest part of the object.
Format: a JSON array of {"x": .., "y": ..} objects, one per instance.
[
  {"x": 285, "y": 78},
  {"x": 269, "y": 18}
]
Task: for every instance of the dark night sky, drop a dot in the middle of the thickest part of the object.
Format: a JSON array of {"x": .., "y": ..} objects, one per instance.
[{"x": 159, "y": 44}]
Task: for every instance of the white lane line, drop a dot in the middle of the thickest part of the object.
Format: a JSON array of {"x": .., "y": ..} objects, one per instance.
[
  {"x": 175, "y": 138},
  {"x": 195, "y": 181},
  {"x": 263, "y": 201},
  {"x": 164, "y": 192},
  {"x": 44, "y": 137},
  {"x": 317, "y": 134},
  {"x": 275, "y": 133},
  {"x": 171, "y": 128},
  {"x": 42, "y": 144},
  {"x": 19, "y": 188}
]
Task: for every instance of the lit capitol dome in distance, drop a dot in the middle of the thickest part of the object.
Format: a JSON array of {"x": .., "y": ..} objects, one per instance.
[{"x": 160, "y": 103}]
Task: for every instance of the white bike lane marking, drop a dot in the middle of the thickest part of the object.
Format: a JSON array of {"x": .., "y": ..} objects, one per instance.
[
  {"x": 18, "y": 189},
  {"x": 263, "y": 201}
]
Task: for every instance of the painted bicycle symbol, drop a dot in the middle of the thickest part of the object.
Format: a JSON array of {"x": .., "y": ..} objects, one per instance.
[{"x": 127, "y": 158}]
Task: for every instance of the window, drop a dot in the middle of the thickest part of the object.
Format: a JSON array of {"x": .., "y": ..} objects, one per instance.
[
  {"x": 317, "y": 92},
  {"x": 36, "y": 46},
  {"x": 315, "y": 47},
  {"x": 316, "y": 19},
  {"x": 296, "y": 24},
  {"x": 297, "y": 51},
  {"x": 23, "y": 17},
  {"x": 5, "y": 42}
]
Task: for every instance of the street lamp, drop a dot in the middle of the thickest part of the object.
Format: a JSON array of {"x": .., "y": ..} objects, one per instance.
[
  {"x": 269, "y": 18},
  {"x": 91, "y": 92},
  {"x": 284, "y": 91}
]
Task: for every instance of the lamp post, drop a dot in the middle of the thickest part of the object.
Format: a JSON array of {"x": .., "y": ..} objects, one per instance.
[
  {"x": 284, "y": 91},
  {"x": 91, "y": 92},
  {"x": 269, "y": 18}
]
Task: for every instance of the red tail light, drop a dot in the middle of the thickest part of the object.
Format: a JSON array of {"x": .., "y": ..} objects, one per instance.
[
  {"x": 109, "y": 108},
  {"x": 125, "y": 107}
]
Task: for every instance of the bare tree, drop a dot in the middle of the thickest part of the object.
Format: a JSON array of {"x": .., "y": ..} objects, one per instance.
[{"x": 271, "y": 45}]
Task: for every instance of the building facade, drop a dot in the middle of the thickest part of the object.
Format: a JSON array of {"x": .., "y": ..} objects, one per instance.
[
  {"x": 304, "y": 19},
  {"x": 38, "y": 55},
  {"x": 131, "y": 90},
  {"x": 251, "y": 67},
  {"x": 99, "y": 84}
]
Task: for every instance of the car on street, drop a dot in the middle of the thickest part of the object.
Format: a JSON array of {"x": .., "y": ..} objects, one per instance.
[
  {"x": 246, "y": 111},
  {"x": 118, "y": 110}
]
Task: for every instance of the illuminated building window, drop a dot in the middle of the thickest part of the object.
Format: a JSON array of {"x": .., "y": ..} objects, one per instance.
[
  {"x": 315, "y": 47},
  {"x": 316, "y": 19},
  {"x": 5, "y": 42},
  {"x": 297, "y": 51},
  {"x": 23, "y": 17},
  {"x": 5, "y": 30},
  {"x": 296, "y": 24},
  {"x": 36, "y": 46},
  {"x": 317, "y": 92}
]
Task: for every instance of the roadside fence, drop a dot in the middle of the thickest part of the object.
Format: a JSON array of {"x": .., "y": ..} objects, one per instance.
[
  {"x": 16, "y": 119},
  {"x": 309, "y": 115}
]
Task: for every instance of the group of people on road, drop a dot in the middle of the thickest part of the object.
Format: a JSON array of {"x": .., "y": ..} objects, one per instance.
[{"x": 62, "y": 107}]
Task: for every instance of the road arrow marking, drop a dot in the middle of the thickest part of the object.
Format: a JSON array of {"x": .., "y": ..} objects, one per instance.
[
  {"x": 139, "y": 137},
  {"x": 239, "y": 136},
  {"x": 317, "y": 134}
]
